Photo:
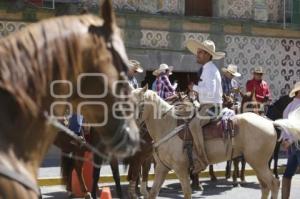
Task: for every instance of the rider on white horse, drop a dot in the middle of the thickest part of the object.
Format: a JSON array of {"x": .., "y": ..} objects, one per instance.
[{"x": 210, "y": 93}]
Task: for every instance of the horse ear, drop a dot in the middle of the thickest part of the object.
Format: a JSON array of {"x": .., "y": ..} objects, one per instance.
[
  {"x": 145, "y": 88},
  {"x": 108, "y": 16}
]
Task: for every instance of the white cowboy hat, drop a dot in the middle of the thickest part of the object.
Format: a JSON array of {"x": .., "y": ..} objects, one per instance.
[
  {"x": 135, "y": 65},
  {"x": 207, "y": 45},
  {"x": 232, "y": 69},
  {"x": 295, "y": 89},
  {"x": 162, "y": 68},
  {"x": 258, "y": 70}
]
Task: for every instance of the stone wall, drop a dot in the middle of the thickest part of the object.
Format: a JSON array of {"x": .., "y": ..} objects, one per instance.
[
  {"x": 280, "y": 57},
  {"x": 7, "y": 27},
  {"x": 153, "y": 41},
  {"x": 262, "y": 10},
  {"x": 153, "y": 6}
]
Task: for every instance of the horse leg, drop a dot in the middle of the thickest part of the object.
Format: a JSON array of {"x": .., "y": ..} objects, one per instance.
[
  {"x": 133, "y": 175},
  {"x": 228, "y": 169},
  {"x": 96, "y": 175},
  {"x": 267, "y": 180},
  {"x": 235, "y": 171},
  {"x": 242, "y": 176},
  {"x": 196, "y": 184},
  {"x": 114, "y": 165},
  {"x": 79, "y": 171},
  {"x": 276, "y": 155},
  {"x": 145, "y": 172},
  {"x": 69, "y": 182},
  {"x": 183, "y": 177},
  {"x": 212, "y": 173},
  {"x": 160, "y": 174}
]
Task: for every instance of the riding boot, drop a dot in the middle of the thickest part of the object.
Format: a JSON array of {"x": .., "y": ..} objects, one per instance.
[{"x": 286, "y": 188}]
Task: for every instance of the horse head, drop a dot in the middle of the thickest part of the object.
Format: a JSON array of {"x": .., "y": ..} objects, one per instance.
[{"x": 62, "y": 63}]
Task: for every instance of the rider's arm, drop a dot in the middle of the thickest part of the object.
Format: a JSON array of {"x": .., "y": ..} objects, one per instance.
[{"x": 167, "y": 83}]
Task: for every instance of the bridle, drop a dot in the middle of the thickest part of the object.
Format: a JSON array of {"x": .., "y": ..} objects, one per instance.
[
  {"x": 120, "y": 62},
  {"x": 117, "y": 141}
]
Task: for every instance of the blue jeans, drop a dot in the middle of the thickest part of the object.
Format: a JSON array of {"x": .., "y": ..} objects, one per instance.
[{"x": 292, "y": 164}]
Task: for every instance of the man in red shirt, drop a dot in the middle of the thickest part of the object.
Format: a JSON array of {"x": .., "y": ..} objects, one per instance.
[
  {"x": 261, "y": 92},
  {"x": 257, "y": 84}
]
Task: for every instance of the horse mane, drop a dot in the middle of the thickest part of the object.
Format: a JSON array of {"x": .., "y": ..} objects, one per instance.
[
  {"x": 163, "y": 105},
  {"x": 42, "y": 52}
]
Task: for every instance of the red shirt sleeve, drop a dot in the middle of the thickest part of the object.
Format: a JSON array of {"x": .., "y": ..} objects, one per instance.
[{"x": 249, "y": 86}]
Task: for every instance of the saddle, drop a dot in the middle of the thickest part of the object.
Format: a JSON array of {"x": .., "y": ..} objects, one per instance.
[{"x": 221, "y": 127}]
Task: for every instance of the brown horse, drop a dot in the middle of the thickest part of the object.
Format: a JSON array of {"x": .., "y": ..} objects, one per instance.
[{"x": 32, "y": 62}]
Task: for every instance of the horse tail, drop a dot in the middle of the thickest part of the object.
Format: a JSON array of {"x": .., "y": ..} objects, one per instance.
[{"x": 67, "y": 165}]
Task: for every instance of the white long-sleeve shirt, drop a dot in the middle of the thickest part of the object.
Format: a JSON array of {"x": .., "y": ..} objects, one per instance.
[
  {"x": 290, "y": 108},
  {"x": 209, "y": 87}
]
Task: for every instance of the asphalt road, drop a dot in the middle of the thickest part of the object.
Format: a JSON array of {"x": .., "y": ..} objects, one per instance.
[{"x": 221, "y": 189}]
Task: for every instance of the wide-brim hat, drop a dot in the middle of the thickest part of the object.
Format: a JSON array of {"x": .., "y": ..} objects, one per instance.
[
  {"x": 207, "y": 45},
  {"x": 162, "y": 68},
  {"x": 258, "y": 70},
  {"x": 232, "y": 69},
  {"x": 135, "y": 65},
  {"x": 295, "y": 89}
]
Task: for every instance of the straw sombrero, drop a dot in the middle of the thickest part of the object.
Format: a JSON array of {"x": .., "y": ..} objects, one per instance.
[
  {"x": 258, "y": 70},
  {"x": 232, "y": 69},
  {"x": 295, "y": 89},
  {"x": 162, "y": 68},
  {"x": 207, "y": 45},
  {"x": 136, "y": 65}
]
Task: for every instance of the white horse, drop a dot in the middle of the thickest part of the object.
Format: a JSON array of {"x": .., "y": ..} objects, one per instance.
[{"x": 255, "y": 139}]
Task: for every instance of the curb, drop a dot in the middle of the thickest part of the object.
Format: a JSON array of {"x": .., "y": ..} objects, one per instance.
[{"x": 171, "y": 176}]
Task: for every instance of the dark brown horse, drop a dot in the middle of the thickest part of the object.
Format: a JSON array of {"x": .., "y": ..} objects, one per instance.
[{"x": 33, "y": 61}]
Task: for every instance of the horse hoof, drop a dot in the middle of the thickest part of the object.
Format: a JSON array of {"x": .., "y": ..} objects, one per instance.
[
  {"x": 227, "y": 176},
  {"x": 132, "y": 196},
  {"x": 88, "y": 195},
  {"x": 214, "y": 178},
  {"x": 243, "y": 183},
  {"x": 70, "y": 194},
  {"x": 197, "y": 187},
  {"x": 235, "y": 184}
]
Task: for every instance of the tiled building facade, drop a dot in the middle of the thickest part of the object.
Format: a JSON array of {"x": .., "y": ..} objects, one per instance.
[{"x": 156, "y": 32}]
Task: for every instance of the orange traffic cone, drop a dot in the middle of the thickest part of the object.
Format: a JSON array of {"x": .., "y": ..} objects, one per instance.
[
  {"x": 87, "y": 176},
  {"x": 105, "y": 194}
]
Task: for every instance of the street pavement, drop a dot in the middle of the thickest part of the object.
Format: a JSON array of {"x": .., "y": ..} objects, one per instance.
[{"x": 220, "y": 189}]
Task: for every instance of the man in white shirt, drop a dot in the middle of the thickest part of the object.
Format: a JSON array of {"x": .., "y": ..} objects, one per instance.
[
  {"x": 294, "y": 156},
  {"x": 210, "y": 93}
]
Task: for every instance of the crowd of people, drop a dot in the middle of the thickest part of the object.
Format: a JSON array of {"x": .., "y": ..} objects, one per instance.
[{"x": 210, "y": 90}]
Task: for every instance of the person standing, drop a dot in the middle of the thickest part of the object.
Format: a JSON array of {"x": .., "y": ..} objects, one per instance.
[
  {"x": 210, "y": 93},
  {"x": 294, "y": 156},
  {"x": 134, "y": 68}
]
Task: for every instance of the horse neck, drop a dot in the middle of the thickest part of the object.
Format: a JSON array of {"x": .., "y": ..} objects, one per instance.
[{"x": 160, "y": 126}]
